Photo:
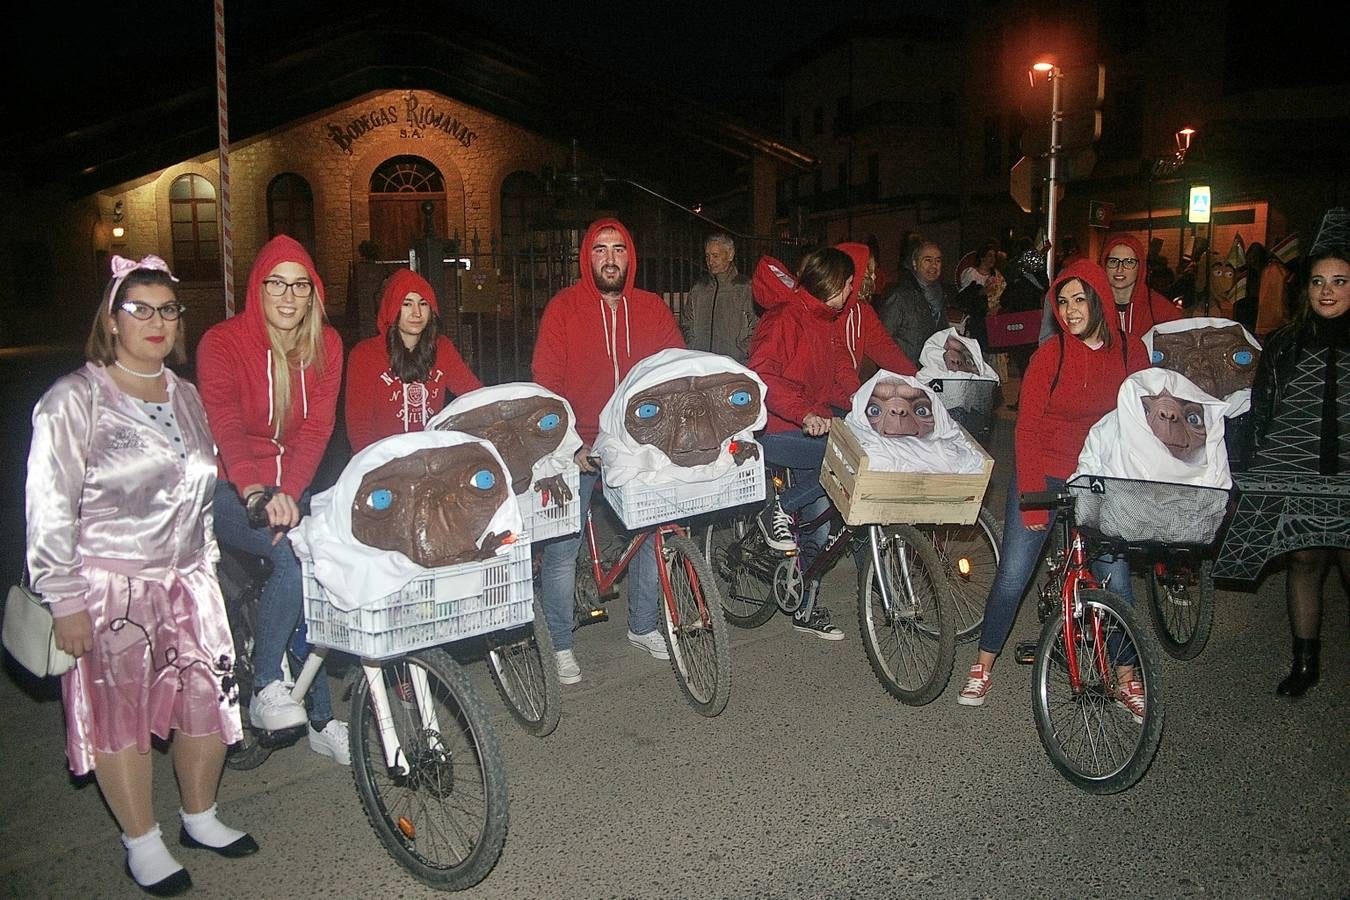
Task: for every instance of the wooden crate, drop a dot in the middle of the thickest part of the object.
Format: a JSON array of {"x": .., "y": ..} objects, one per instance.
[{"x": 865, "y": 497}]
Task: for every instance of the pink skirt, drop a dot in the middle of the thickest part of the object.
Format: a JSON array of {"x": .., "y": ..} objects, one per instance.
[{"x": 162, "y": 661}]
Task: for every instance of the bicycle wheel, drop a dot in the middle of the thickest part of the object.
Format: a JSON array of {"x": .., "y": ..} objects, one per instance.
[
  {"x": 911, "y": 646},
  {"x": 738, "y": 558},
  {"x": 700, "y": 648},
  {"x": 969, "y": 554},
  {"x": 442, "y": 813},
  {"x": 1181, "y": 605},
  {"x": 1092, "y": 739},
  {"x": 522, "y": 666}
]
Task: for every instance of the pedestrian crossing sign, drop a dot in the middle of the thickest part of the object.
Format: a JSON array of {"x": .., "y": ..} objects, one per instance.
[{"x": 1200, "y": 204}]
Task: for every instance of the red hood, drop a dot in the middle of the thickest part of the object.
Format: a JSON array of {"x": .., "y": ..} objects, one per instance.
[
  {"x": 1088, "y": 272},
  {"x": 773, "y": 285},
  {"x": 399, "y": 285},
  {"x": 588, "y": 276},
  {"x": 280, "y": 249},
  {"x": 1139, "y": 294},
  {"x": 860, "y": 254}
]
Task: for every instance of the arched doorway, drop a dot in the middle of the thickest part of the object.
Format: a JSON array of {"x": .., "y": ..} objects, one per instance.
[{"x": 398, "y": 188}]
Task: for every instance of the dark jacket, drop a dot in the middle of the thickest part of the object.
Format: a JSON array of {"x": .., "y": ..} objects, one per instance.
[
  {"x": 719, "y": 315},
  {"x": 906, "y": 315}
]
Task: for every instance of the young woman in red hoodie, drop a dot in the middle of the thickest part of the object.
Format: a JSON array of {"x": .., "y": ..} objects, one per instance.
[
  {"x": 794, "y": 350},
  {"x": 1139, "y": 308},
  {"x": 399, "y": 379},
  {"x": 1070, "y": 383},
  {"x": 269, "y": 379},
  {"x": 858, "y": 329}
]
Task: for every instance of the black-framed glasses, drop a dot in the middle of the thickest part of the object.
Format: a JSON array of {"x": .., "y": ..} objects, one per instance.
[
  {"x": 169, "y": 312},
  {"x": 277, "y": 287},
  {"x": 1127, "y": 263}
]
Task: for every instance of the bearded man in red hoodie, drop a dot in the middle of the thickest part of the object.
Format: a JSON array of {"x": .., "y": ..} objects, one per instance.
[{"x": 591, "y": 335}]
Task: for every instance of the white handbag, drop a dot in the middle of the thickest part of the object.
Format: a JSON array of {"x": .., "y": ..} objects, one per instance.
[{"x": 30, "y": 635}]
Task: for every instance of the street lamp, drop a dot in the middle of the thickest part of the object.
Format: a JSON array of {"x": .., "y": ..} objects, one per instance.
[
  {"x": 1053, "y": 73},
  {"x": 1167, "y": 166}
]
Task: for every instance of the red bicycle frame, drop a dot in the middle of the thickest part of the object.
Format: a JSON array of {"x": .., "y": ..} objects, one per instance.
[
  {"x": 605, "y": 579},
  {"x": 1077, "y": 575}
]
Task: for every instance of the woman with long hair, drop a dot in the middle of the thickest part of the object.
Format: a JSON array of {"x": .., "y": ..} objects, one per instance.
[
  {"x": 269, "y": 378},
  {"x": 121, "y": 474},
  {"x": 1070, "y": 383},
  {"x": 400, "y": 378}
]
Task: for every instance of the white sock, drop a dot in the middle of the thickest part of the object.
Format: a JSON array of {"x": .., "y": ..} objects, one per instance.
[
  {"x": 207, "y": 829},
  {"x": 147, "y": 857}
]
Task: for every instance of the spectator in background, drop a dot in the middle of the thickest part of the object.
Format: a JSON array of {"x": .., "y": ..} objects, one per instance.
[
  {"x": 916, "y": 307},
  {"x": 986, "y": 261},
  {"x": 881, "y": 282},
  {"x": 719, "y": 314},
  {"x": 1160, "y": 274}
]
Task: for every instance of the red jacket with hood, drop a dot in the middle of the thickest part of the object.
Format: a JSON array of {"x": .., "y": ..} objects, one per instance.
[
  {"x": 378, "y": 404},
  {"x": 234, "y": 374},
  {"x": 795, "y": 351},
  {"x": 585, "y": 348},
  {"x": 1147, "y": 307},
  {"x": 1067, "y": 387},
  {"x": 858, "y": 329}
]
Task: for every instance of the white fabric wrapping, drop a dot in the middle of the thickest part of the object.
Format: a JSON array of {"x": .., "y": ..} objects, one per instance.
[
  {"x": 1121, "y": 444},
  {"x": 555, "y": 463},
  {"x": 944, "y": 451},
  {"x": 932, "y": 367},
  {"x": 1237, "y": 402},
  {"x": 356, "y": 574},
  {"x": 626, "y": 460}
]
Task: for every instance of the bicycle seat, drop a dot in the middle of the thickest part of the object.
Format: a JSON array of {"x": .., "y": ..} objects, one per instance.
[{"x": 1045, "y": 499}]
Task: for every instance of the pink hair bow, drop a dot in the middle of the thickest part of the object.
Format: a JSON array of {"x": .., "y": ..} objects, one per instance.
[{"x": 122, "y": 267}]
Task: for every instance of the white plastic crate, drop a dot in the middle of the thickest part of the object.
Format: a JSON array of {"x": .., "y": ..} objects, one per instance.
[
  {"x": 543, "y": 522},
  {"x": 639, "y": 505},
  {"x": 443, "y": 605}
]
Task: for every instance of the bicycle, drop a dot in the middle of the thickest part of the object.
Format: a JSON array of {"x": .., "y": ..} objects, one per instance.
[
  {"x": 970, "y": 555},
  {"x": 909, "y": 635},
  {"x": 1088, "y": 636},
  {"x": 1181, "y": 601},
  {"x": 699, "y": 647}
]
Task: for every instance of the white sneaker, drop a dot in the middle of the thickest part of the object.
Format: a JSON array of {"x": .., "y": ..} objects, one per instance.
[
  {"x": 332, "y": 742},
  {"x": 652, "y": 642},
  {"x": 273, "y": 708},
  {"x": 776, "y": 526},
  {"x": 569, "y": 672}
]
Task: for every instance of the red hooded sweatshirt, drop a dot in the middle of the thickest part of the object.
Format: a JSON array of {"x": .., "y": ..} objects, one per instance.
[
  {"x": 1067, "y": 387},
  {"x": 234, "y": 374},
  {"x": 859, "y": 331},
  {"x": 795, "y": 351},
  {"x": 1147, "y": 307},
  {"x": 379, "y": 404},
  {"x": 585, "y": 347}
]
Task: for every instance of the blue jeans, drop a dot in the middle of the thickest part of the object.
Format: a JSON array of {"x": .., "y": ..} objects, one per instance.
[
  {"x": 801, "y": 455},
  {"x": 558, "y": 578},
  {"x": 1019, "y": 555},
  {"x": 280, "y": 607}
]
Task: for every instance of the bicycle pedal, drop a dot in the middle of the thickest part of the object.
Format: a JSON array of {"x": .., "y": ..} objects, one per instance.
[
  {"x": 1025, "y": 653},
  {"x": 284, "y": 737},
  {"x": 592, "y": 617}
]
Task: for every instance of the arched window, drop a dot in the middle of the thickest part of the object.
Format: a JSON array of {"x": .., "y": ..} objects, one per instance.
[
  {"x": 290, "y": 209},
  {"x": 196, "y": 231},
  {"x": 523, "y": 200},
  {"x": 407, "y": 175}
]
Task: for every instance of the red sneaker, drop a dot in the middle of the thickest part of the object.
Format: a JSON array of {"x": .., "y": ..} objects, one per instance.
[
  {"x": 977, "y": 687},
  {"x": 1131, "y": 696}
]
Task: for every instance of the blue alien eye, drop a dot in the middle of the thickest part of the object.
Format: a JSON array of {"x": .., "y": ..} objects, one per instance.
[
  {"x": 483, "y": 479},
  {"x": 1157, "y": 356},
  {"x": 1243, "y": 357},
  {"x": 549, "y": 422},
  {"x": 740, "y": 398},
  {"x": 381, "y": 499},
  {"x": 648, "y": 410},
  {"x": 873, "y": 410}
]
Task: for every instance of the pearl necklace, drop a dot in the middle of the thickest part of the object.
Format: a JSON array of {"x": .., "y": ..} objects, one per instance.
[{"x": 156, "y": 374}]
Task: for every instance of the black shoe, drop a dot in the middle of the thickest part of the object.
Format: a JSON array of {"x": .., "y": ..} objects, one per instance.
[
  {"x": 177, "y": 883},
  {"x": 818, "y": 625},
  {"x": 1304, "y": 672},
  {"x": 776, "y": 526},
  {"x": 244, "y": 846}
]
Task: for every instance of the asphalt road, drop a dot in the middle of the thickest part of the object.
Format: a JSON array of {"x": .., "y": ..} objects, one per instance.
[{"x": 813, "y": 783}]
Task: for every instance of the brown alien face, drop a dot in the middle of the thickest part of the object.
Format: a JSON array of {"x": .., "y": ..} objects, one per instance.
[
  {"x": 1179, "y": 424},
  {"x": 687, "y": 419},
  {"x": 523, "y": 430},
  {"x": 1222, "y": 277},
  {"x": 1218, "y": 360},
  {"x": 899, "y": 410},
  {"x": 431, "y": 505},
  {"x": 956, "y": 357}
]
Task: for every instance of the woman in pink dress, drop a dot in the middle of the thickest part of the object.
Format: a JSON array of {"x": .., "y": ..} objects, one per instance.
[{"x": 121, "y": 474}]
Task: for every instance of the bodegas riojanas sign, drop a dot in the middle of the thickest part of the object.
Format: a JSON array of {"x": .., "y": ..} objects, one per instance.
[{"x": 415, "y": 121}]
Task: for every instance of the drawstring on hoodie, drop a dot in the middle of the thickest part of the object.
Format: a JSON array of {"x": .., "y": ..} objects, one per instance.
[
  {"x": 852, "y": 329},
  {"x": 612, "y": 335}
]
